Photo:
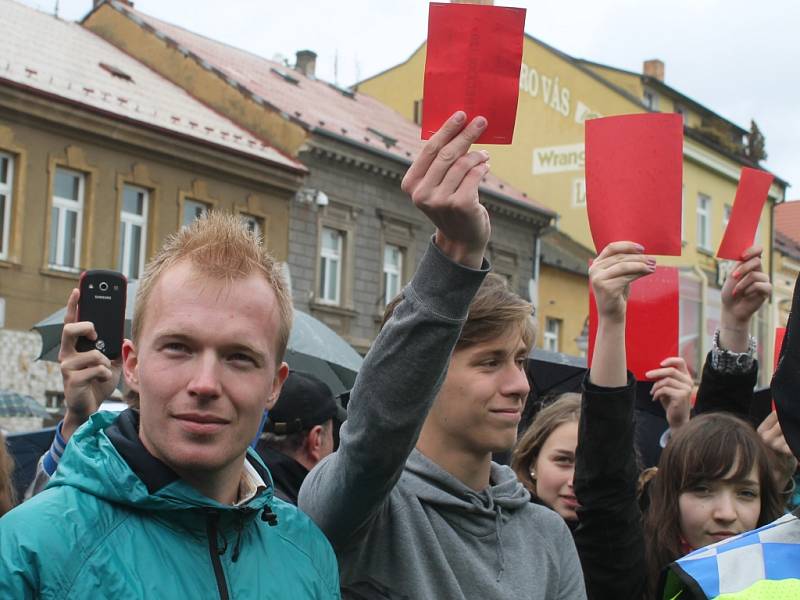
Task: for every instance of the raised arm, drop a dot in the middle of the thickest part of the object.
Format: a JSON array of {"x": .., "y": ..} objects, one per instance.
[
  {"x": 406, "y": 365},
  {"x": 609, "y": 535},
  {"x": 89, "y": 378},
  {"x": 730, "y": 370}
]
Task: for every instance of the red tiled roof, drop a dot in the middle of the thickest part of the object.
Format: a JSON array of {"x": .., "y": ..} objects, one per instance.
[
  {"x": 62, "y": 59},
  {"x": 787, "y": 220},
  {"x": 317, "y": 105}
]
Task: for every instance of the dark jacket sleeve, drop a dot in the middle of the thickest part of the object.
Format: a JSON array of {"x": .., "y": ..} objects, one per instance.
[
  {"x": 609, "y": 536},
  {"x": 727, "y": 392}
]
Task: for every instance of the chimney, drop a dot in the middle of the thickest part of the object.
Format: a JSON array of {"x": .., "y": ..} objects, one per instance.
[
  {"x": 654, "y": 68},
  {"x": 306, "y": 62}
]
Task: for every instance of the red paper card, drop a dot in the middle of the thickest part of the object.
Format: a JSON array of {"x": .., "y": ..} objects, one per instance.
[
  {"x": 780, "y": 333},
  {"x": 743, "y": 223},
  {"x": 473, "y": 63},
  {"x": 634, "y": 173},
  {"x": 651, "y": 324}
]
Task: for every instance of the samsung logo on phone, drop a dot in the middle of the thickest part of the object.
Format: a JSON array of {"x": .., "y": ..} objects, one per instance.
[{"x": 102, "y": 298}]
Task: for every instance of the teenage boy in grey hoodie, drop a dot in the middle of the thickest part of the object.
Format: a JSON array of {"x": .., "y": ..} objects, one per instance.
[{"x": 412, "y": 502}]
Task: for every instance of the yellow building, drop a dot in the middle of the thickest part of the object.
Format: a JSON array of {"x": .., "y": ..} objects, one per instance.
[{"x": 557, "y": 95}]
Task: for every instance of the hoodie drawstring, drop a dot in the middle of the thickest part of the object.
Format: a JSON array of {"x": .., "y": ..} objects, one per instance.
[
  {"x": 501, "y": 558},
  {"x": 236, "y": 547},
  {"x": 270, "y": 517}
]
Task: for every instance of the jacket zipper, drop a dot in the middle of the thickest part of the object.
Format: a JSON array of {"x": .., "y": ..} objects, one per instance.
[{"x": 219, "y": 574}]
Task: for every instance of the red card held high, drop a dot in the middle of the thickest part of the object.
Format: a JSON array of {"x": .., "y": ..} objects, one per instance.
[
  {"x": 634, "y": 173},
  {"x": 780, "y": 333},
  {"x": 473, "y": 62},
  {"x": 651, "y": 324},
  {"x": 743, "y": 223}
]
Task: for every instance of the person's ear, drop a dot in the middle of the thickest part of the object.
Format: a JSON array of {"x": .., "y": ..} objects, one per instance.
[
  {"x": 130, "y": 365},
  {"x": 314, "y": 443},
  {"x": 281, "y": 373}
]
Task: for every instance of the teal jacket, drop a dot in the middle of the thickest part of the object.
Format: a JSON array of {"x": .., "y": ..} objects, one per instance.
[{"x": 117, "y": 523}]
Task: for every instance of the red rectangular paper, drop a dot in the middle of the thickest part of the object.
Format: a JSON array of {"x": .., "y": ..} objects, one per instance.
[
  {"x": 743, "y": 223},
  {"x": 634, "y": 174},
  {"x": 651, "y": 324},
  {"x": 473, "y": 62},
  {"x": 780, "y": 333}
]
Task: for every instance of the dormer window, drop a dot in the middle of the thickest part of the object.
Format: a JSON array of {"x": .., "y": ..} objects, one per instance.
[{"x": 651, "y": 100}]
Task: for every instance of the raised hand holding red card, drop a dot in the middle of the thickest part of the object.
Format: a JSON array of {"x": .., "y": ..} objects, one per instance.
[
  {"x": 751, "y": 194},
  {"x": 634, "y": 174},
  {"x": 651, "y": 324},
  {"x": 473, "y": 63}
]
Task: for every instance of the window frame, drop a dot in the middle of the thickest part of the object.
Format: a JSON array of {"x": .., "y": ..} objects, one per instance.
[
  {"x": 704, "y": 210},
  {"x": 7, "y": 189},
  {"x": 128, "y": 223},
  {"x": 325, "y": 257},
  {"x": 62, "y": 205},
  {"x": 552, "y": 338},
  {"x": 397, "y": 272}
]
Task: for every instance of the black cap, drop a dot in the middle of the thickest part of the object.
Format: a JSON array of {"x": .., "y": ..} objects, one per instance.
[{"x": 305, "y": 401}]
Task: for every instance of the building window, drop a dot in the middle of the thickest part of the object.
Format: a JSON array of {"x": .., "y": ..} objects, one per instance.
[
  {"x": 254, "y": 223},
  {"x": 193, "y": 209},
  {"x": 392, "y": 272},
  {"x": 552, "y": 334},
  {"x": 132, "y": 231},
  {"x": 681, "y": 110},
  {"x": 690, "y": 346},
  {"x": 726, "y": 216},
  {"x": 683, "y": 212},
  {"x": 703, "y": 222},
  {"x": 330, "y": 266},
  {"x": 54, "y": 401},
  {"x": 651, "y": 100},
  {"x": 66, "y": 218},
  {"x": 579, "y": 192},
  {"x": 418, "y": 112},
  {"x": 6, "y": 189}
]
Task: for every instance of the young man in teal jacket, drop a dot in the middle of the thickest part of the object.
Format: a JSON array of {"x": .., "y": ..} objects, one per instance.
[{"x": 168, "y": 501}]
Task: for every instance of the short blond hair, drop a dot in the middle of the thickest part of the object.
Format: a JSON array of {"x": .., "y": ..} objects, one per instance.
[{"x": 221, "y": 246}]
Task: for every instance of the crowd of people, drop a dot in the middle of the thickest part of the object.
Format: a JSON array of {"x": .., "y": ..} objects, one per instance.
[{"x": 171, "y": 499}]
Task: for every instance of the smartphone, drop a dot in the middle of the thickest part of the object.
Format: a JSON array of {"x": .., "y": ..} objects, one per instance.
[{"x": 102, "y": 301}]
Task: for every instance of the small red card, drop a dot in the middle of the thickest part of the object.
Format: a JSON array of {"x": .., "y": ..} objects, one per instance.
[
  {"x": 651, "y": 323},
  {"x": 473, "y": 62},
  {"x": 634, "y": 174},
  {"x": 743, "y": 223}
]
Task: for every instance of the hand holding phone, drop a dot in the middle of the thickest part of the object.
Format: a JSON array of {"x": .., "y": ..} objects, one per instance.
[{"x": 102, "y": 301}]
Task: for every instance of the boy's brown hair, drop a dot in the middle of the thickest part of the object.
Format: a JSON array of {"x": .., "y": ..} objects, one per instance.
[
  {"x": 494, "y": 311},
  {"x": 218, "y": 245}
]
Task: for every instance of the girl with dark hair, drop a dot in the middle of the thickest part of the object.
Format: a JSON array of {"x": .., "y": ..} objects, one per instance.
[
  {"x": 718, "y": 454},
  {"x": 714, "y": 481}
]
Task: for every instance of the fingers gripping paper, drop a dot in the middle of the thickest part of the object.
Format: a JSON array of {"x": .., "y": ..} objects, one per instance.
[
  {"x": 651, "y": 324},
  {"x": 743, "y": 223},
  {"x": 634, "y": 166},
  {"x": 473, "y": 62}
]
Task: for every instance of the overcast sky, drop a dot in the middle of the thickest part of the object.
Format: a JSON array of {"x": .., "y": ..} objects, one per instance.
[{"x": 737, "y": 57}]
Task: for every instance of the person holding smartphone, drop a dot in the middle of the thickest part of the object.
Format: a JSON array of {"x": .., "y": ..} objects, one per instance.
[
  {"x": 89, "y": 378},
  {"x": 169, "y": 501}
]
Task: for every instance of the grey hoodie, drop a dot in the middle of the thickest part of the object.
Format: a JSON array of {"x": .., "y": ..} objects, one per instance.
[{"x": 402, "y": 526}]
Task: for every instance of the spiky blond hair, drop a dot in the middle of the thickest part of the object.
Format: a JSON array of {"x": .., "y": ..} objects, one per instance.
[{"x": 218, "y": 245}]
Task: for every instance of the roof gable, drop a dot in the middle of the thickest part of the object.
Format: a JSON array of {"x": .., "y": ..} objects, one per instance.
[
  {"x": 47, "y": 55},
  {"x": 318, "y": 106}
]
